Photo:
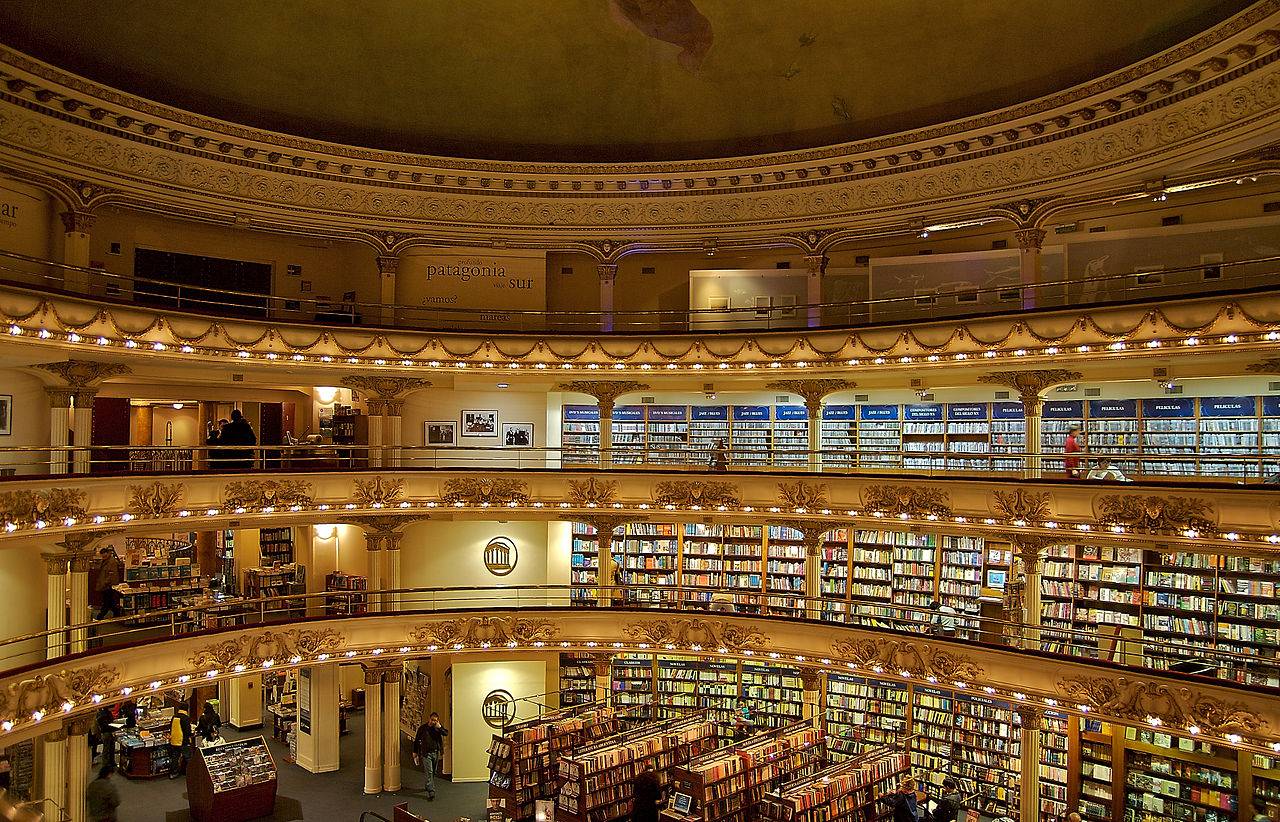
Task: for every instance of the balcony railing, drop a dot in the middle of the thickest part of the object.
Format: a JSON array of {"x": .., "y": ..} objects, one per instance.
[
  {"x": 1256, "y": 466},
  {"x": 1131, "y": 287},
  {"x": 203, "y": 614}
]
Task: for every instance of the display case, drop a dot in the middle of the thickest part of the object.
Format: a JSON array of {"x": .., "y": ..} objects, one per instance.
[
  {"x": 232, "y": 782},
  {"x": 142, "y": 752}
]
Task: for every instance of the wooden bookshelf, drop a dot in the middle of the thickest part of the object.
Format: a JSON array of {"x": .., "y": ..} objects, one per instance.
[
  {"x": 848, "y": 791},
  {"x": 345, "y": 601}
]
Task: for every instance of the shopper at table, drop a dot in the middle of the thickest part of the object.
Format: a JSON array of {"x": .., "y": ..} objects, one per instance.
[
  {"x": 101, "y": 796},
  {"x": 209, "y": 724},
  {"x": 951, "y": 804}
]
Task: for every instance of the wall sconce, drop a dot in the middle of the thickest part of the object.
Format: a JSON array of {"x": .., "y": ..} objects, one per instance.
[
  {"x": 325, "y": 531},
  {"x": 326, "y": 394}
]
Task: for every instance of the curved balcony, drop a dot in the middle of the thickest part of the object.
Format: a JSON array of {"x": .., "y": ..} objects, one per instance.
[{"x": 527, "y": 622}]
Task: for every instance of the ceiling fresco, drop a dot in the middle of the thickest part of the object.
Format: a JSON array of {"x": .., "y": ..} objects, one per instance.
[{"x": 597, "y": 80}]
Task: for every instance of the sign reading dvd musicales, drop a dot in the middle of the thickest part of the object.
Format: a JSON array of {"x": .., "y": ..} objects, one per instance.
[{"x": 479, "y": 284}]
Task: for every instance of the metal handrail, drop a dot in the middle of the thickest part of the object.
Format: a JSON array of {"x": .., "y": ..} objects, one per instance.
[
  {"x": 303, "y": 457},
  {"x": 865, "y": 613},
  {"x": 651, "y": 321}
]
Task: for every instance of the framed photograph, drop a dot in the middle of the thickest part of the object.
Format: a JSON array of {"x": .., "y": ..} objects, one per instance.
[
  {"x": 517, "y": 434},
  {"x": 786, "y": 305},
  {"x": 441, "y": 433},
  {"x": 717, "y": 303},
  {"x": 764, "y": 305},
  {"x": 6, "y": 415},
  {"x": 305, "y": 286},
  {"x": 479, "y": 423}
]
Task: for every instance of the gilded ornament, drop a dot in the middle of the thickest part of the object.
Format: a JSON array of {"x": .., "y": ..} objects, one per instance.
[
  {"x": 592, "y": 491},
  {"x": 480, "y": 490},
  {"x": 49, "y": 692},
  {"x": 801, "y": 494},
  {"x": 81, "y": 374},
  {"x": 1022, "y": 505},
  {"x": 916, "y": 658},
  {"x": 484, "y": 631},
  {"x": 50, "y": 505},
  {"x": 267, "y": 494},
  {"x": 156, "y": 499},
  {"x": 812, "y": 390},
  {"x": 687, "y": 493},
  {"x": 606, "y": 392},
  {"x": 914, "y": 501},
  {"x": 385, "y": 388},
  {"x": 1157, "y": 514},
  {"x": 1176, "y": 706},
  {"x": 1030, "y": 385},
  {"x": 1270, "y": 365},
  {"x": 694, "y": 633},
  {"x": 378, "y": 491},
  {"x": 252, "y": 650}
]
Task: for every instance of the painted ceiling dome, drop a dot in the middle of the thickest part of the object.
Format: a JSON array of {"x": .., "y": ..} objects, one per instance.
[{"x": 598, "y": 80}]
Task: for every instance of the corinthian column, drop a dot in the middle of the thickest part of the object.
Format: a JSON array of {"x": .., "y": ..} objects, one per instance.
[
  {"x": 373, "y": 730},
  {"x": 75, "y": 249},
  {"x": 817, "y": 265},
  {"x": 385, "y": 398},
  {"x": 1031, "y": 386},
  {"x": 388, "y": 265},
  {"x": 813, "y": 392},
  {"x": 606, "y": 393},
  {"x": 56, "y": 609},
  {"x": 1031, "y": 734},
  {"x": 1030, "y": 264}
]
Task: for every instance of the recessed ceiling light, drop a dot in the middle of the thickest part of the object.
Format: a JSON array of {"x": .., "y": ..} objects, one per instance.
[{"x": 504, "y": 385}]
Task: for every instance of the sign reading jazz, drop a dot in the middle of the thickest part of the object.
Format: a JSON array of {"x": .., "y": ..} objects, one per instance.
[{"x": 484, "y": 287}]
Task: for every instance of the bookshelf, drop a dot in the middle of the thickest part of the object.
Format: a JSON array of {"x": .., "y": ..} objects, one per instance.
[
  {"x": 707, "y": 424},
  {"x": 633, "y": 682},
  {"x": 1095, "y": 790},
  {"x": 162, "y": 581},
  {"x": 584, "y": 564},
  {"x": 845, "y": 792},
  {"x": 752, "y": 435},
  {"x": 344, "y": 601},
  {"x": 870, "y": 575},
  {"x": 719, "y": 557},
  {"x": 968, "y": 436},
  {"x": 1055, "y": 765},
  {"x": 577, "y": 680},
  {"x": 276, "y": 545},
  {"x": 667, "y": 435},
  {"x": 1229, "y": 426},
  {"x": 596, "y": 780},
  {"x": 279, "y": 583},
  {"x": 232, "y": 782},
  {"x": 580, "y": 435},
  {"x": 677, "y": 685},
  {"x": 774, "y": 694},
  {"x": 790, "y": 436},
  {"x": 833, "y": 584},
  {"x": 915, "y": 570},
  {"x": 840, "y": 436},
  {"x": 932, "y": 731},
  {"x": 1111, "y": 427},
  {"x": 1056, "y": 419},
  {"x": 784, "y": 571},
  {"x": 628, "y": 434},
  {"x": 1169, "y": 428},
  {"x": 960, "y": 581},
  {"x": 524, "y": 761},
  {"x": 879, "y": 436},
  {"x": 864, "y": 714},
  {"x": 924, "y": 437},
  {"x": 1172, "y": 777},
  {"x": 650, "y": 555},
  {"x": 1008, "y": 435},
  {"x": 987, "y": 750},
  {"x": 727, "y": 784}
]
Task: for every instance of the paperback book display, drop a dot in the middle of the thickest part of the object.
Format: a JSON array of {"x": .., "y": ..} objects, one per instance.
[
  {"x": 847, "y": 792},
  {"x": 232, "y": 782}
]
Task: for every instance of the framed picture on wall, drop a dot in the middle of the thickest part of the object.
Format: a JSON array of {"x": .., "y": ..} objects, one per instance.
[
  {"x": 441, "y": 433},
  {"x": 479, "y": 423},
  {"x": 6, "y": 414},
  {"x": 517, "y": 434}
]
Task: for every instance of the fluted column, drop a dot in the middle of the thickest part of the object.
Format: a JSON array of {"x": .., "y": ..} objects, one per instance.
[
  {"x": 391, "y": 569},
  {"x": 1030, "y": 553},
  {"x": 373, "y": 730},
  {"x": 80, "y": 615},
  {"x": 388, "y": 265},
  {"x": 813, "y": 576},
  {"x": 1031, "y": 734},
  {"x": 391, "y": 728},
  {"x": 53, "y": 768},
  {"x": 605, "y": 526},
  {"x": 56, "y": 607},
  {"x": 373, "y": 544},
  {"x": 817, "y": 265},
  {"x": 78, "y": 761},
  {"x": 608, "y": 272},
  {"x": 375, "y": 407},
  {"x": 392, "y": 432},
  {"x": 75, "y": 249},
  {"x": 813, "y": 682},
  {"x": 59, "y": 429},
  {"x": 82, "y": 426},
  {"x": 602, "y": 670},
  {"x": 1030, "y": 264}
]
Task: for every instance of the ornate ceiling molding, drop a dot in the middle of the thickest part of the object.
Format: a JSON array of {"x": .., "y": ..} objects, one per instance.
[
  {"x": 696, "y": 634},
  {"x": 1218, "y": 87},
  {"x": 917, "y": 658},
  {"x": 484, "y": 631},
  {"x": 812, "y": 391},
  {"x": 1157, "y": 515},
  {"x": 702, "y": 493},
  {"x": 267, "y": 493},
  {"x": 1176, "y": 706},
  {"x": 378, "y": 492},
  {"x": 914, "y": 501},
  {"x": 47, "y": 694},
  {"x": 250, "y": 650},
  {"x": 802, "y": 496},
  {"x": 484, "y": 491},
  {"x": 1021, "y": 506},
  {"x": 592, "y": 492},
  {"x": 82, "y": 374}
]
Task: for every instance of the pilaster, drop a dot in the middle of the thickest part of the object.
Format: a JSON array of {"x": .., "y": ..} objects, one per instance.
[
  {"x": 1030, "y": 262},
  {"x": 76, "y": 225},
  {"x": 391, "y": 728},
  {"x": 373, "y": 730},
  {"x": 53, "y": 767},
  {"x": 56, "y": 642},
  {"x": 1031, "y": 733},
  {"x": 79, "y": 613},
  {"x": 388, "y": 266},
  {"x": 817, "y": 267},
  {"x": 78, "y": 762},
  {"x": 608, "y": 272}
]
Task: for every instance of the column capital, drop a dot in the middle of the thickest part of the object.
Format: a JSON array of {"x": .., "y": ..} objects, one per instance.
[
  {"x": 606, "y": 392},
  {"x": 603, "y": 523},
  {"x": 377, "y": 407},
  {"x": 811, "y": 532},
  {"x": 601, "y": 665},
  {"x": 81, "y": 563},
  {"x": 382, "y": 526},
  {"x": 816, "y": 264},
  {"x": 55, "y": 565},
  {"x": 378, "y": 674},
  {"x": 388, "y": 264},
  {"x": 811, "y": 680},
  {"x": 607, "y": 272},
  {"x": 813, "y": 391},
  {"x": 1031, "y": 385},
  {"x": 56, "y": 735},
  {"x": 1032, "y": 717},
  {"x": 381, "y": 391},
  {"x": 77, "y": 222},
  {"x": 59, "y": 397},
  {"x": 392, "y": 408},
  {"x": 1030, "y": 239},
  {"x": 78, "y": 726},
  {"x": 84, "y": 397},
  {"x": 82, "y": 375}
]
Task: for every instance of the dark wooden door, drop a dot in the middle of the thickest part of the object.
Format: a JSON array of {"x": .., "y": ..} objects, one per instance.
[{"x": 110, "y": 427}]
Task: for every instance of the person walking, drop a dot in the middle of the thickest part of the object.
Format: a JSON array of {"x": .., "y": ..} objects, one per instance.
[
  {"x": 943, "y": 622},
  {"x": 108, "y": 574},
  {"x": 101, "y": 797},
  {"x": 180, "y": 743},
  {"x": 1074, "y": 445},
  {"x": 428, "y": 748},
  {"x": 103, "y": 734},
  {"x": 646, "y": 794}
]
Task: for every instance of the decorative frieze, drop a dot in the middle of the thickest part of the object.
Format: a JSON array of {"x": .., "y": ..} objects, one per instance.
[
  {"x": 1177, "y": 706},
  {"x": 696, "y": 634},
  {"x": 484, "y": 490},
  {"x": 915, "y": 657},
  {"x": 592, "y": 491},
  {"x": 24, "y": 507},
  {"x": 912, "y": 500},
  {"x": 48, "y": 693},
  {"x": 378, "y": 491},
  {"x": 1157, "y": 515},
  {"x": 155, "y": 500},
  {"x": 690, "y": 493},
  {"x": 252, "y": 649},
  {"x": 1021, "y": 505},
  {"x": 484, "y": 631},
  {"x": 802, "y": 495},
  {"x": 260, "y": 493}
]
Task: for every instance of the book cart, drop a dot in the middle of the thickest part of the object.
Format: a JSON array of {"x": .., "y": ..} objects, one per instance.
[
  {"x": 232, "y": 782},
  {"x": 849, "y": 791},
  {"x": 523, "y": 762},
  {"x": 596, "y": 781},
  {"x": 726, "y": 784}
]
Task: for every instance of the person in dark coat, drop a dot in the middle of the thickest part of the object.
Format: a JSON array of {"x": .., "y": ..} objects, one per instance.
[
  {"x": 951, "y": 803},
  {"x": 646, "y": 795},
  {"x": 210, "y": 723},
  {"x": 101, "y": 797},
  {"x": 238, "y": 432},
  {"x": 108, "y": 574},
  {"x": 428, "y": 748},
  {"x": 903, "y": 802}
]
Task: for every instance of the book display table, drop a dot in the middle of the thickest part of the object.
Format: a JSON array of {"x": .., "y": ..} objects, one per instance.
[{"x": 232, "y": 782}]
